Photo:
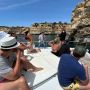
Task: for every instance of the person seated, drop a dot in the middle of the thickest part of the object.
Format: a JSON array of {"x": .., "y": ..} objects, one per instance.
[
  {"x": 10, "y": 66},
  {"x": 57, "y": 48},
  {"x": 71, "y": 74},
  {"x": 22, "y": 47},
  {"x": 30, "y": 43}
]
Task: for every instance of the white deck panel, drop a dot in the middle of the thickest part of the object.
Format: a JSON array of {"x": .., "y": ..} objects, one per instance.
[
  {"x": 45, "y": 59},
  {"x": 49, "y": 62},
  {"x": 50, "y": 85}
]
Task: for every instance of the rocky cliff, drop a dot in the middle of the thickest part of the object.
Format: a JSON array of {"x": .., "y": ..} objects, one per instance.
[
  {"x": 36, "y": 28},
  {"x": 81, "y": 18}
]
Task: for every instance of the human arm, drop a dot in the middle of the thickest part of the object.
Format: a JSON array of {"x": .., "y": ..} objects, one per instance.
[
  {"x": 50, "y": 43},
  {"x": 86, "y": 81},
  {"x": 22, "y": 46},
  {"x": 14, "y": 73}
]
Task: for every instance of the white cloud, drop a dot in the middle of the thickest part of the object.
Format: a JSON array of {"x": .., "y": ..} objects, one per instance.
[{"x": 13, "y": 5}]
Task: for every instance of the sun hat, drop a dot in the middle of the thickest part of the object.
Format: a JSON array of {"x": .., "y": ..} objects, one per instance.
[
  {"x": 3, "y": 34},
  {"x": 9, "y": 43}
]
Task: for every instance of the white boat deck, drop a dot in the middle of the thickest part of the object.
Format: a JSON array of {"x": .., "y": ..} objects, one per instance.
[{"x": 45, "y": 79}]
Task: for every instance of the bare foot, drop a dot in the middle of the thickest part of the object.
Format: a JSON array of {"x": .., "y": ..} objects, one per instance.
[
  {"x": 38, "y": 50},
  {"x": 36, "y": 69},
  {"x": 34, "y": 51}
]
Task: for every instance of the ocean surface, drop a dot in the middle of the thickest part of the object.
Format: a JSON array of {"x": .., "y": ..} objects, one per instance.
[{"x": 35, "y": 38}]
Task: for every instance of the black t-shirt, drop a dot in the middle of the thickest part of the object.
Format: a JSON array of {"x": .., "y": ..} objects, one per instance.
[
  {"x": 65, "y": 49},
  {"x": 62, "y": 36}
]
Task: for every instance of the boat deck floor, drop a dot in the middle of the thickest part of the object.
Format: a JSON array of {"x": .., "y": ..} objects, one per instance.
[{"x": 46, "y": 78}]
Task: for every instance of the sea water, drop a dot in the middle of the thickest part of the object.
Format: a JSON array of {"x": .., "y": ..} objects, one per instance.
[{"x": 48, "y": 37}]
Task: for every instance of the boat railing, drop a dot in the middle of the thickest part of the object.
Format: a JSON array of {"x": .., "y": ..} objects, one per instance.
[{"x": 70, "y": 43}]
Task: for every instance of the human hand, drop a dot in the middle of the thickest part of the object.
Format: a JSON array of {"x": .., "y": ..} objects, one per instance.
[
  {"x": 85, "y": 66},
  {"x": 22, "y": 46}
]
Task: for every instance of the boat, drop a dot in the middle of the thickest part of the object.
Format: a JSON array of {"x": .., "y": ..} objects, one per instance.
[{"x": 45, "y": 79}]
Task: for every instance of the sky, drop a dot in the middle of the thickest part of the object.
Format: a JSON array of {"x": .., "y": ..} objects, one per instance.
[{"x": 27, "y": 12}]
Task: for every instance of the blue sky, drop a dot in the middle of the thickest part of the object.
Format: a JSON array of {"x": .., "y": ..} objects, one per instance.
[{"x": 27, "y": 12}]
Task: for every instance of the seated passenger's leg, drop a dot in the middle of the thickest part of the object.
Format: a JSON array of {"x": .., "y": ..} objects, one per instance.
[{"x": 19, "y": 84}]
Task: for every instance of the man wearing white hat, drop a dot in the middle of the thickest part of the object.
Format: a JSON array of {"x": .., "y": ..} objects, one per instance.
[{"x": 10, "y": 77}]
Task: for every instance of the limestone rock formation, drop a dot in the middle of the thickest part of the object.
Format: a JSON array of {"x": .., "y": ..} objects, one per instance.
[
  {"x": 81, "y": 19},
  {"x": 36, "y": 28}
]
